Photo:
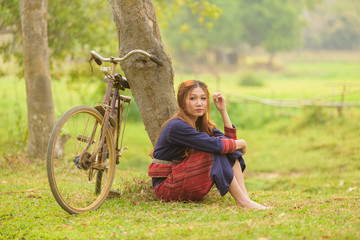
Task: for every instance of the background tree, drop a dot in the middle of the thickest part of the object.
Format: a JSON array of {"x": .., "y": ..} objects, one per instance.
[
  {"x": 225, "y": 37},
  {"x": 41, "y": 113},
  {"x": 188, "y": 28},
  {"x": 272, "y": 24}
]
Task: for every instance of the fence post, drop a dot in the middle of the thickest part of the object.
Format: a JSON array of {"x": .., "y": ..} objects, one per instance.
[
  {"x": 217, "y": 82},
  {"x": 271, "y": 107},
  {"x": 341, "y": 106}
]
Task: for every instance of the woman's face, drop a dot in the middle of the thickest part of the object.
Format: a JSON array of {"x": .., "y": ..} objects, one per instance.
[{"x": 196, "y": 103}]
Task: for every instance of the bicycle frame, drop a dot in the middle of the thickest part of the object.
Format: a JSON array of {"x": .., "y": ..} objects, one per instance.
[{"x": 111, "y": 97}]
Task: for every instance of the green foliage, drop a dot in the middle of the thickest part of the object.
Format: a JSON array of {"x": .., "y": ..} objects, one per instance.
[
  {"x": 80, "y": 27},
  {"x": 275, "y": 25},
  {"x": 228, "y": 29},
  {"x": 10, "y": 27},
  {"x": 191, "y": 28},
  {"x": 203, "y": 9},
  {"x": 187, "y": 24},
  {"x": 73, "y": 29},
  {"x": 306, "y": 4}
]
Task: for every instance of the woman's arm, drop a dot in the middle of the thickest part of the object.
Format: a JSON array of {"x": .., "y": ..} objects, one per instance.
[{"x": 220, "y": 103}]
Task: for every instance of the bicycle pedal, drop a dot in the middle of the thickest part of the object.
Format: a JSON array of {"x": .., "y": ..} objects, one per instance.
[
  {"x": 84, "y": 139},
  {"x": 76, "y": 161}
]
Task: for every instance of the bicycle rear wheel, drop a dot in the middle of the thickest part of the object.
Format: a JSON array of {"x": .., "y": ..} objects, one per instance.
[{"x": 80, "y": 179}]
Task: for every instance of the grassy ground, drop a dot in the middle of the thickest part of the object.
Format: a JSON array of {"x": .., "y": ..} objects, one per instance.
[
  {"x": 309, "y": 176},
  {"x": 306, "y": 166}
]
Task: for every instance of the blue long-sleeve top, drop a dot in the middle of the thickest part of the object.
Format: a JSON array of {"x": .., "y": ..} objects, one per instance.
[{"x": 177, "y": 135}]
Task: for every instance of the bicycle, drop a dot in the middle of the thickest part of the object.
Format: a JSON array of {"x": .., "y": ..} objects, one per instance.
[{"x": 84, "y": 146}]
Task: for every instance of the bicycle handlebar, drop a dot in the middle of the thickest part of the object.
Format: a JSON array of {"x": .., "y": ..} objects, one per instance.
[{"x": 99, "y": 59}]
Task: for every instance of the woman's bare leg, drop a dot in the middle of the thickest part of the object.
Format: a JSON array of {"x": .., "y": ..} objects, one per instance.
[
  {"x": 241, "y": 198},
  {"x": 239, "y": 177}
]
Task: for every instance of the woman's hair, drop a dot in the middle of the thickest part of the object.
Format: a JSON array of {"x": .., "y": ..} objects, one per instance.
[{"x": 203, "y": 123}]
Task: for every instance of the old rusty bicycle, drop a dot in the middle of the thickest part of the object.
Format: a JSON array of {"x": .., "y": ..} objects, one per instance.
[{"x": 87, "y": 142}]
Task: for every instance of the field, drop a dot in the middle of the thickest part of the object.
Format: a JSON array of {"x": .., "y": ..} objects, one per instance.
[{"x": 303, "y": 162}]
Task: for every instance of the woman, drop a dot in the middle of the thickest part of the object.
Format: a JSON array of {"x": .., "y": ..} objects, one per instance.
[{"x": 191, "y": 154}]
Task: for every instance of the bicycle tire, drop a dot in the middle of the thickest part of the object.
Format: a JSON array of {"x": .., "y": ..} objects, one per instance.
[{"x": 72, "y": 186}]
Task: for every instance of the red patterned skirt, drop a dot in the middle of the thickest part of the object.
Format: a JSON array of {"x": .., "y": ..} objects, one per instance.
[{"x": 188, "y": 180}]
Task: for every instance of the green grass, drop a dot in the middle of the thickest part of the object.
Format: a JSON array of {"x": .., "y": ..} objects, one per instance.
[
  {"x": 310, "y": 180},
  {"x": 304, "y": 163}
]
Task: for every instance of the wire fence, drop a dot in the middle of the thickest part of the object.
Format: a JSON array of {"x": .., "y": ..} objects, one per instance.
[{"x": 316, "y": 102}]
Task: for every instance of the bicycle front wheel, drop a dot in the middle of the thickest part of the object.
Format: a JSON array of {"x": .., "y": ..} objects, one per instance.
[{"x": 80, "y": 174}]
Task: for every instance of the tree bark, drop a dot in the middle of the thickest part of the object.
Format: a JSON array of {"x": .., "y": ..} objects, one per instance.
[
  {"x": 41, "y": 113},
  {"x": 151, "y": 85}
]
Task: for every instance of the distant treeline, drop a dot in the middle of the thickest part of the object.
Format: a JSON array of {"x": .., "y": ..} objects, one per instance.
[
  {"x": 273, "y": 25},
  {"x": 202, "y": 30}
]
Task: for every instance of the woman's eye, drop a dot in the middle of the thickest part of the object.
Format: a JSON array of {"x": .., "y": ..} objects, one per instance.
[
  {"x": 192, "y": 98},
  {"x": 203, "y": 98}
]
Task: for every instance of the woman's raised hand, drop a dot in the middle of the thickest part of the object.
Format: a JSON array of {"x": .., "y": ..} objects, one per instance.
[{"x": 219, "y": 101}]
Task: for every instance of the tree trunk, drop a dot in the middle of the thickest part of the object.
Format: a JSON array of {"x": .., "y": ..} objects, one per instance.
[
  {"x": 151, "y": 85},
  {"x": 271, "y": 60},
  {"x": 41, "y": 113}
]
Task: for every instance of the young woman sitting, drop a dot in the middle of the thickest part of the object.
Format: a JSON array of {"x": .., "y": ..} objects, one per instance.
[{"x": 191, "y": 154}]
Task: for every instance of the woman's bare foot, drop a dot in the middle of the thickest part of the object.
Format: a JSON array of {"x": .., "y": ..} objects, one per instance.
[
  {"x": 262, "y": 206},
  {"x": 253, "y": 205}
]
